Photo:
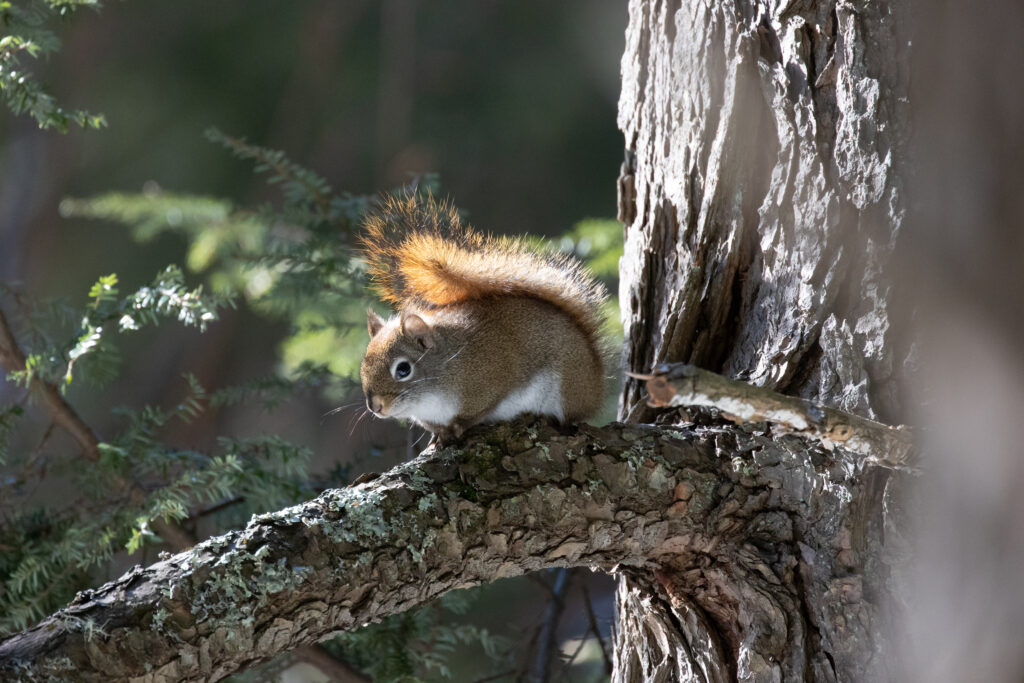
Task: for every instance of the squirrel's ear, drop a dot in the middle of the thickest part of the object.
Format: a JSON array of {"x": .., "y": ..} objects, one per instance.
[
  {"x": 373, "y": 322},
  {"x": 417, "y": 328}
]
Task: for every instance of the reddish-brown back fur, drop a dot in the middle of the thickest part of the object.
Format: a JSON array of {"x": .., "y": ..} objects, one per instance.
[{"x": 420, "y": 253}]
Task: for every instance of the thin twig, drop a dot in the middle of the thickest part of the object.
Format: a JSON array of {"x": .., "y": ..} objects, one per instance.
[
  {"x": 12, "y": 360},
  {"x": 547, "y": 637},
  {"x": 536, "y": 578},
  {"x": 594, "y": 628},
  {"x": 575, "y": 653},
  {"x": 30, "y": 461},
  {"x": 494, "y": 677},
  {"x": 335, "y": 669},
  {"x": 214, "y": 509}
]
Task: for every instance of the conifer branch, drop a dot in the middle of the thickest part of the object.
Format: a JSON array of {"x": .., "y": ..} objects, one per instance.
[{"x": 12, "y": 360}]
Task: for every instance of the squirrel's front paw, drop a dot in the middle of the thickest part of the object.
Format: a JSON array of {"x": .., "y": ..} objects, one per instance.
[{"x": 445, "y": 435}]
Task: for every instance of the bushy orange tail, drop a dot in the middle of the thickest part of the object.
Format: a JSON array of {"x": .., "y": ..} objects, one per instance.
[{"x": 418, "y": 251}]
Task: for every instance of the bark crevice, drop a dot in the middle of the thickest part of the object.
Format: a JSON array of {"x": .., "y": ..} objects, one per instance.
[{"x": 785, "y": 184}]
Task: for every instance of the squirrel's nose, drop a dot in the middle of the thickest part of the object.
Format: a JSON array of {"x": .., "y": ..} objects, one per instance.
[{"x": 373, "y": 402}]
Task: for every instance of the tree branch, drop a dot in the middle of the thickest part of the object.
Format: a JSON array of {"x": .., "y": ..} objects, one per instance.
[
  {"x": 679, "y": 384},
  {"x": 12, "y": 359},
  {"x": 335, "y": 669},
  {"x": 547, "y": 635},
  {"x": 508, "y": 500},
  {"x": 595, "y": 628}
]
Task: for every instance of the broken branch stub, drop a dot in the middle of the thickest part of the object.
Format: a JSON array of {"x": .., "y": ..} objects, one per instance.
[{"x": 680, "y": 384}]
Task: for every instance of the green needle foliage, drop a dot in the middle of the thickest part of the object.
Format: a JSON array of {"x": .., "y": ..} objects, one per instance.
[
  {"x": 291, "y": 262},
  {"x": 27, "y": 37},
  {"x": 67, "y": 515},
  {"x": 419, "y": 645}
]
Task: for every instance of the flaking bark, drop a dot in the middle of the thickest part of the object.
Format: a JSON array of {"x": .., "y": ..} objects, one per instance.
[
  {"x": 763, "y": 199},
  {"x": 765, "y": 144},
  {"x": 508, "y": 500}
]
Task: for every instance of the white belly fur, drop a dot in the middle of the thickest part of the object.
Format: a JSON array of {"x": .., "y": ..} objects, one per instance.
[
  {"x": 438, "y": 408},
  {"x": 541, "y": 395}
]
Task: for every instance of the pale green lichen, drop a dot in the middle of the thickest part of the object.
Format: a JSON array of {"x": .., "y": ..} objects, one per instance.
[
  {"x": 172, "y": 590},
  {"x": 414, "y": 478},
  {"x": 55, "y": 669},
  {"x": 742, "y": 466},
  {"x": 635, "y": 456},
  {"x": 487, "y": 460},
  {"x": 290, "y": 515},
  {"x": 215, "y": 545},
  {"x": 630, "y": 434},
  {"x": 704, "y": 491},
  {"x": 160, "y": 617},
  {"x": 87, "y": 627},
  {"x": 429, "y": 538},
  {"x": 363, "y": 519},
  {"x": 241, "y": 584},
  {"x": 416, "y": 554}
]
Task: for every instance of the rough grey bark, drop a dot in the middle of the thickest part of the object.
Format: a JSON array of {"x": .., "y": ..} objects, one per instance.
[
  {"x": 763, "y": 192},
  {"x": 511, "y": 499},
  {"x": 762, "y": 196}
]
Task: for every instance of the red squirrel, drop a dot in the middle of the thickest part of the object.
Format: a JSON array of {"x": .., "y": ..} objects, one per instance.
[{"x": 487, "y": 328}]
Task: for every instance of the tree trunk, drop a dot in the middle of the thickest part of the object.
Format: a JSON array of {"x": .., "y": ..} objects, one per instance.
[{"x": 762, "y": 199}]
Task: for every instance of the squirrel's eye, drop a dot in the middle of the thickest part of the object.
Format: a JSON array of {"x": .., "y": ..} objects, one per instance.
[{"x": 401, "y": 370}]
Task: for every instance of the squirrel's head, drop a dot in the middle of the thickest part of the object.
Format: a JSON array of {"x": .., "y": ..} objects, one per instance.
[{"x": 400, "y": 364}]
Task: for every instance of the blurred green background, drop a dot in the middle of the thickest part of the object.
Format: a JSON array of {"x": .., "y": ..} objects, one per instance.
[{"x": 512, "y": 104}]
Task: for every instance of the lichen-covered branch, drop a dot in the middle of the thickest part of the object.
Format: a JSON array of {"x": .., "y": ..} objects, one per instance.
[
  {"x": 679, "y": 384},
  {"x": 507, "y": 500}
]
